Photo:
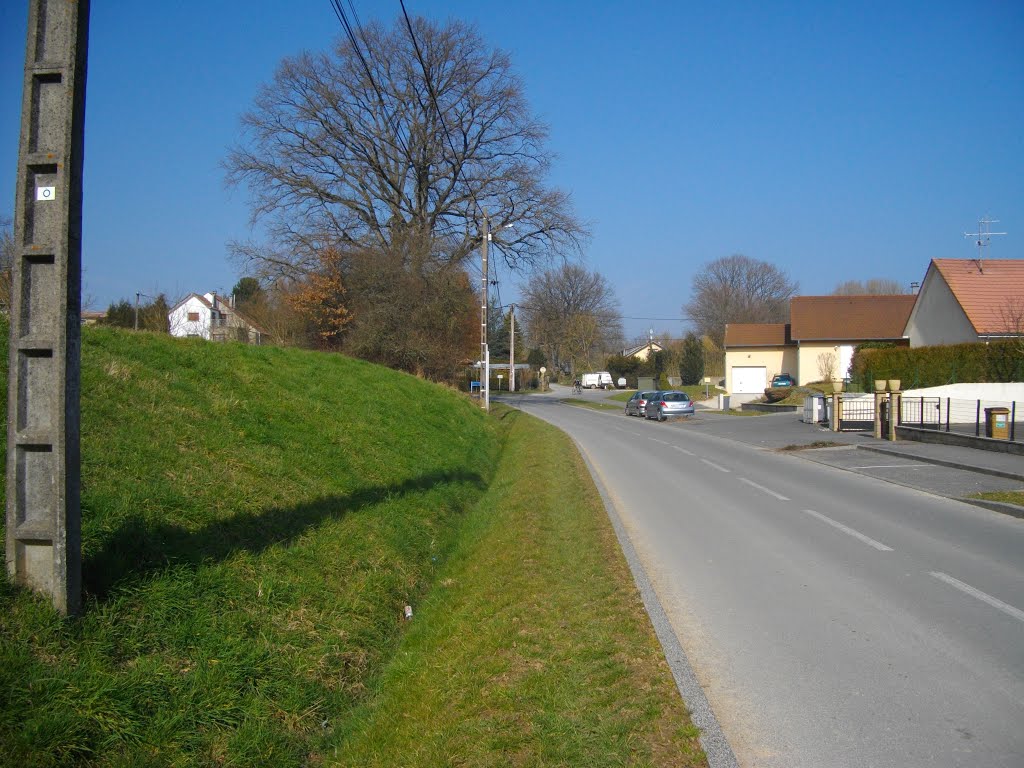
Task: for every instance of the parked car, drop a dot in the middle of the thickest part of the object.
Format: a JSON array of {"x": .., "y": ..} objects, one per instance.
[
  {"x": 665, "y": 405},
  {"x": 783, "y": 380},
  {"x": 637, "y": 403}
]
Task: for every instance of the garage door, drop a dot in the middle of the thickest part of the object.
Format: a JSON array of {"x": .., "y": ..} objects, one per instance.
[{"x": 749, "y": 379}]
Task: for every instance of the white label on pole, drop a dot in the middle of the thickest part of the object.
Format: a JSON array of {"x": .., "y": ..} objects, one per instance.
[{"x": 46, "y": 193}]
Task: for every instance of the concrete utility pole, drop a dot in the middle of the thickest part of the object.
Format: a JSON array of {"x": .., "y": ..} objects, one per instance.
[
  {"x": 43, "y": 510},
  {"x": 485, "y": 384},
  {"x": 512, "y": 348}
]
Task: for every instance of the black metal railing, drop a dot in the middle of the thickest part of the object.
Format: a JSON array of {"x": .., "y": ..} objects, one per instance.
[{"x": 999, "y": 419}]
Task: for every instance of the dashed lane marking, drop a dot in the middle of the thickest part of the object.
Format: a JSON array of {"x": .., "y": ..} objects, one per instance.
[
  {"x": 967, "y": 589},
  {"x": 849, "y": 531},
  {"x": 761, "y": 488},
  {"x": 712, "y": 464}
]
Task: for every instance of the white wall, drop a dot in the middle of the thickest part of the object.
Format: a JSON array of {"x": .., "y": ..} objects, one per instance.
[
  {"x": 181, "y": 326},
  {"x": 937, "y": 317},
  {"x": 999, "y": 391}
]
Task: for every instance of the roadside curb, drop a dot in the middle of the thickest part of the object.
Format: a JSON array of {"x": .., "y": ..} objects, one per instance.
[
  {"x": 995, "y": 506},
  {"x": 944, "y": 462},
  {"x": 716, "y": 747}
]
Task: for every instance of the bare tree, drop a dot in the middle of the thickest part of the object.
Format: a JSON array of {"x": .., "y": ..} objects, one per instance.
[
  {"x": 346, "y": 149},
  {"x": 827, "y": 366},
  {"x": 6, "y": 262},
  {"x": 1011, "y": 314},
  {"x": 877, "y": 286},
  {"x": 738, "y": 289},
  {"x": 572, "y": 315}
]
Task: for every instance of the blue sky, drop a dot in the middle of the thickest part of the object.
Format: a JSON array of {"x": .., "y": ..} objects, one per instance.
[{"x": 835, "y": 140}]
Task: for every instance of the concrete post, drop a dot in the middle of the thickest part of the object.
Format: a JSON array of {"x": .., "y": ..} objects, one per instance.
[{"x": 43, "y": 513}]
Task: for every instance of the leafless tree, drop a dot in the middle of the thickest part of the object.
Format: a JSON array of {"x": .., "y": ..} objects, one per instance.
[
  {"x": 827, "y": 366},
  {"x": 738, "y": 289},
  {"x": 572, "y": 315},
  {"x": 1011, "y": 315},
  {"x": 6, "y": 262},
  {"x": 877, "y": 286},
  {"x": 350, "y": 156}
]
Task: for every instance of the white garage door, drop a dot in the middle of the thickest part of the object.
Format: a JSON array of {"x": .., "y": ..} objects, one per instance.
[{"x": 749, "y": 379}]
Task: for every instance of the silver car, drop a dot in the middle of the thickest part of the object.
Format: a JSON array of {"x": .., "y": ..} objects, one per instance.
[
  {"x": 636, "y": 405},
  {"x": 665, "y": 405}
]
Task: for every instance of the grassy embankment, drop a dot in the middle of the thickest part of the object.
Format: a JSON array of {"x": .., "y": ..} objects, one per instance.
[{"x": 254, "y": 521}]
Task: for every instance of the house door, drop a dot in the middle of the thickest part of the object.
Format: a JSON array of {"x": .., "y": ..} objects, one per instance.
[{"x": 749, "y": 379}]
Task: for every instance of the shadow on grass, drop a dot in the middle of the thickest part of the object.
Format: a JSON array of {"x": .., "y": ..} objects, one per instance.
[{"x": 139, "y": 546}]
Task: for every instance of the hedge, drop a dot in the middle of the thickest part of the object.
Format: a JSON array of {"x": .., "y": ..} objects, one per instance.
[{"x": 997, "y": 361}]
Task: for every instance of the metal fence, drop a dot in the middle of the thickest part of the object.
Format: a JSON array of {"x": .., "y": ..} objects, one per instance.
[{"x": 981, "y": 418}]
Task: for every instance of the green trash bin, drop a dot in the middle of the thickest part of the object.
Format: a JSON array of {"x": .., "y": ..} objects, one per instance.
[{"x": 997, "y": 423}]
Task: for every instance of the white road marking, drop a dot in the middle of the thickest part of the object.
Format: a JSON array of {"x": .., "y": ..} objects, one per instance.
[
  {"x": 688, "y": 453},
  {"x": 656, "y": 440},
  {"x": 1009, "y": 610},
  {"x": 716, "y": 466},
  {"x": 891, "y": 466},
  {"x": 769, "y": 491},
  {"x": 847, "y": 530}
]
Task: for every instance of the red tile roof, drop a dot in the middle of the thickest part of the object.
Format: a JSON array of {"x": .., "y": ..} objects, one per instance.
[
  {"x": 756, "y": 334},
  {"x": 850, "y": 318},
  {"x": 987, "y": 291}
]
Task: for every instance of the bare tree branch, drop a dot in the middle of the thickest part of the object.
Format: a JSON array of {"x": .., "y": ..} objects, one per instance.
[{"x": 330, "y": 161}]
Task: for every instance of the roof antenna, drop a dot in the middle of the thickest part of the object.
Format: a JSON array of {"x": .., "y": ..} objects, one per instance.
[{"x": 982, "y": 237}]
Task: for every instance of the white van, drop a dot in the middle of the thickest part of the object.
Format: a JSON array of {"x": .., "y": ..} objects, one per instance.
[{"x": 599, "y": 380}]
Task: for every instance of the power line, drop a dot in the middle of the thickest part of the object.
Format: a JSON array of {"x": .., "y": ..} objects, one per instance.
[
  {"x": 339, "y": 11},
  {"x": 437, "y": 108}
]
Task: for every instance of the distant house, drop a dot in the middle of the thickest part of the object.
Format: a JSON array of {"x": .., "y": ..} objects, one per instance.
[
  {"x": 92, "y": 317},
  {"x": 754, "y": 352},
  {"x": 968, "y": 300},
  {"x": 212, "y": 318},
  {"x": 821, "y": 334},
  {"x": 643, "y": 351}
]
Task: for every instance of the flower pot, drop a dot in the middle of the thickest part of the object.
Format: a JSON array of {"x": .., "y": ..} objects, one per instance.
[
  {"x": 879, "y": 385},
  {"x": 837, "y": 387},
  {"x": 894, "y": 385}
]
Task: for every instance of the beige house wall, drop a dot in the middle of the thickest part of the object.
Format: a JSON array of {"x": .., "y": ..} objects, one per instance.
[
  {"x": 807, "y": 361},
  {"x": 774, "y": 359}
]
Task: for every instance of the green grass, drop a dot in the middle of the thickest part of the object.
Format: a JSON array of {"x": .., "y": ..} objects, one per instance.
[
  {"x": 536, "y": 650},
  {"x": 596, "y": 405},
  {"x": 695, "y": 391},
  {"x": 1007, "y": 497},
  {"x": 253, "y": 522}
]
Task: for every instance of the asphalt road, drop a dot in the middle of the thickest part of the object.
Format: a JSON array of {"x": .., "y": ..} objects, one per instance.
[{"x": 831, "y": 617}]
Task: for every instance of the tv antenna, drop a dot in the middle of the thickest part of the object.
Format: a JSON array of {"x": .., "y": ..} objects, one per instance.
[{"x": 982, "y": 237}]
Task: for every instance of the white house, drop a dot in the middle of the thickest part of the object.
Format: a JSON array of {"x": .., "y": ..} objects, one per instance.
[
  {"x": 968, "y": 300},
  {"x": 213, "y": 318}
]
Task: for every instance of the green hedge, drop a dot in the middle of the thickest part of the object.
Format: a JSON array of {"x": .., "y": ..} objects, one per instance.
[{"x": 997, "y": 361}]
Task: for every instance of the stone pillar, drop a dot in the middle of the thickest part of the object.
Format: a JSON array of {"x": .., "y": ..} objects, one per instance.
[
  {"x": 43, "y": 514},
  {"x": 879, "y": 399},
  {"x": 894, "y": 413}
]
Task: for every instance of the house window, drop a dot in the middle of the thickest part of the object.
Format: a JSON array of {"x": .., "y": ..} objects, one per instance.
[{"x": 193, "y": 317}]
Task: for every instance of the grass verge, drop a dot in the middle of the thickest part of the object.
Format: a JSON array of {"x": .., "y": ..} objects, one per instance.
[
  {"x": 253, "y": 522},
  {"x": 595, "y": 405},
  {"x": 535, "y": 648},
  {"x": 1007, "y": 497}
]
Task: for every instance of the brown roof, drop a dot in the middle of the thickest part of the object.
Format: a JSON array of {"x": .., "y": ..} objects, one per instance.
[
  {"x": 986, "y": 291},
  {"x": 850, "y": 318},
  {"x": 756, "y": 334}
]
